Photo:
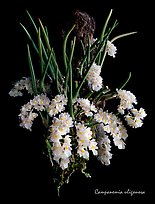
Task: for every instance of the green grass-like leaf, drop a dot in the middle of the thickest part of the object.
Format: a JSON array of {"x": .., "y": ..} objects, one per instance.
[
  {"x": 123, "y": 35},
  {"x": 70, "y": 79},
  {"x": 40, "y": 52},
  {"x": 45, "y": 72},
  {"x": 51, "y": 69},
  {"x": 33, "y": 23},
  {"x": 106, "y": 24},
  {"x": 45, "y": 36},
  {"x": 64, "y": 48},
  {"x": 30, "y": 38},
  {"x": 34, "y": 83}
]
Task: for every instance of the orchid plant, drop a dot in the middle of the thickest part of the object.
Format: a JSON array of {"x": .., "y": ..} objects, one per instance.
[{"x": 71, "y": 101}]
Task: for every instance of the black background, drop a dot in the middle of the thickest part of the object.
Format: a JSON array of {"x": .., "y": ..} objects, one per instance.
[{"x": 27, "y": 174}]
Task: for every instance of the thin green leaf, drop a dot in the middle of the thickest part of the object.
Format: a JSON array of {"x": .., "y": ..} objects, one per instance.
[
  {"x": 58, "y": 73},
  {"x": 103, "y": 33},
  {"x": 45, "y": 72},
  {"x": 56, "y": 67},
  {"x": 104, "y": 54},
  {"x": 40, "y": 52},
  {"x": 64, "y": 48},
  {"x": 102, "y": 58},
  {"x": 49, "y": 150},
  {"x": 46, "y": 30},
  {"x": 88, "y": 52},
  {"x": 45, "y": 35},
  {"x": 34, "y": 83},
  {"x": 71, "y": 80},
  {"x": 84, "y": 54},
  {"x": 36, "y": 49},
  {"x": 106, "y": 23},
  {"x": 36, "y": 29},
  {"x": 122, "y": 35},
  {"x": 30, "y": 38},
  {"x": 83, "y": 47},
  {"x": 32, "y": 21},
  {"x": 127, "y": 80}
]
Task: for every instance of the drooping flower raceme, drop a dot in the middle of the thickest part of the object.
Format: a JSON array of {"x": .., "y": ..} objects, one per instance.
[
  {"x": 111, "y": 49},
  {"x": 113, "y": 126},
  {"x": 57, "y": 105},
  {"x": 38, "y": 103},
  {"x": 127, "y": 99},
  {"x": 86, "y": 106},
  {"x": 24, "y": 83},
  {"x": 94, "y": 79},
  {"x": 133, "y": 117},
  {"x": 104, "y": 147},
  {"x": 59, "y": 130},
  {"x": 60, "y": 126},
  {"x": 85, "y": 141}
]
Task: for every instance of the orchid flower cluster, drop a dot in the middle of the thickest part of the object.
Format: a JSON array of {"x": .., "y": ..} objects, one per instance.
[{"x": 71, "y": 101}]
